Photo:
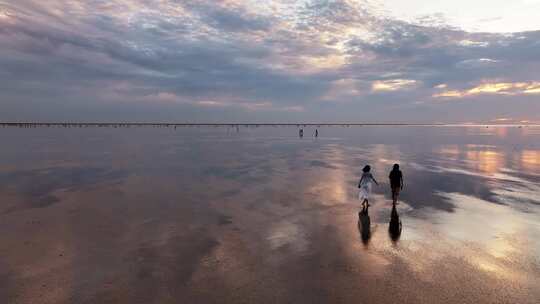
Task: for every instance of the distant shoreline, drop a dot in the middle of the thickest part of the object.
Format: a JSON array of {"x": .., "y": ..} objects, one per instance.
[{"x": 164, "y": 124}]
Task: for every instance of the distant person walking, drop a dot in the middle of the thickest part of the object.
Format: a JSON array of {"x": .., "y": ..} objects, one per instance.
[
  {"x": 396, "y": 182},
  {"x": 365, "y": 186},
  {"x": 316, "y": 132},
  {"x": 301, "y": 133}
]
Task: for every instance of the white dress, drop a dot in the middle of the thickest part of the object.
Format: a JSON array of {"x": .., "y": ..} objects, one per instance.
[{"x": 365, "y": 186}]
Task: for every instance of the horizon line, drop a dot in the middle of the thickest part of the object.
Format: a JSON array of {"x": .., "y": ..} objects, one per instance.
[{"x": 22, "y": 123}]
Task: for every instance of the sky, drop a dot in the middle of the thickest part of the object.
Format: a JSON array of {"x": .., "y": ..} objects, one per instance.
[{"x": 232, "y": 61}]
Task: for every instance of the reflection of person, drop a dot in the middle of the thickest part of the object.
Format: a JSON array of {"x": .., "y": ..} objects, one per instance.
[
  {"x": 364, "y": 224},
  {"x": 365, "y": 185},
  {"x": 395, "y": 224},
  {"x": 396, "y": 182}
]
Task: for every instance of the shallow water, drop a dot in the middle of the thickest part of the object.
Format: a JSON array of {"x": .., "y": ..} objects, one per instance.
[{"x": 258, "y": 215}]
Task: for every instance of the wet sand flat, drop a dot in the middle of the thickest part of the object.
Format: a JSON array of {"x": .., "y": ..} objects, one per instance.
[{"x": 258, "y": 215}]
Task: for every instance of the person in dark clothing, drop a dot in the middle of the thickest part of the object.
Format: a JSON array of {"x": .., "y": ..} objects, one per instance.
[{"x": 396, "y": 182}]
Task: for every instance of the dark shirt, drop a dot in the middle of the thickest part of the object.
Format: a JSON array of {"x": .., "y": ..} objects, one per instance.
[{"x": 395, "y": 178}]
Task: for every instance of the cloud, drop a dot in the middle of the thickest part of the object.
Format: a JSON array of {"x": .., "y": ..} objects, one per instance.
[
  {"x": 495, "y": 88},
  {"x": 342, "y": 89},
  {"x": 250, "y": 106},
  {"x": 228, "y": 16},
  {"x": 393, "y": 85},
  {"x": 472, "y": 43},
  {"x": 271, "y": 60},
  {"x": 476, "y": 63}
]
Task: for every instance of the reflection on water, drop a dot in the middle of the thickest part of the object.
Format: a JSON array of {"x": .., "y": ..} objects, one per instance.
[
  {"x": 364, "y": 224},
  {"x": 485, "y": 161},
  {"x": 450, "y": 151},
  {"x": 333, "y": 186},
  {"x": 206, "y": 215},
  {"x": 530, "y": 160},
  {"x": 395, "y": 226}
]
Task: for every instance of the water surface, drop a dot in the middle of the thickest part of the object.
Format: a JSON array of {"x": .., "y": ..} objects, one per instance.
[{"x": 259, "y": 215}]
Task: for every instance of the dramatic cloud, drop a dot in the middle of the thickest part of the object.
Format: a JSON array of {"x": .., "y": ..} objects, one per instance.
[
  {"x": 499, "y": 88},
  {"x": 232, "y": 60}
]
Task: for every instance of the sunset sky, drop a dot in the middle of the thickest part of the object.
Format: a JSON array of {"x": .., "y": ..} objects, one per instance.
[{"x": 270, "y": 61}]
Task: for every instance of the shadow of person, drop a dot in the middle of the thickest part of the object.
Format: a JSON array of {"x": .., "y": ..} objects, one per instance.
[
  {"x": 394, "y": 228},
  {"x": 364, "y": 225}
]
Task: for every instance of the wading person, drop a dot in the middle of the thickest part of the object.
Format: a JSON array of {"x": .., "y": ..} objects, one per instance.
[
  {"x": 396, "y": 182},
  {"x": 365, "y": 186}
]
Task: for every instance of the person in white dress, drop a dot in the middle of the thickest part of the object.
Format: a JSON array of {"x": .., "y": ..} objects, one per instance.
[{"x": 365, "y": 186}]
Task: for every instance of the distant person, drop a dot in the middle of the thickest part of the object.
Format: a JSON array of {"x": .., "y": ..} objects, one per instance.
[
  {"x": 365, "y": 186},
  {"x": 396, "y": 182},
  {"x": 316, "y": 132},
  {"x": 301, "y": 133}
]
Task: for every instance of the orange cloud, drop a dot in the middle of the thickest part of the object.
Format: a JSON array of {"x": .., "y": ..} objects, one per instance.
[
  {"x": 392, "y": 85},
  {"x": 499, "y": 88}
]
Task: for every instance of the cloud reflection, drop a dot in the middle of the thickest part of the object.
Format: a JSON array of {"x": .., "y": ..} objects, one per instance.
[
  {"x": 501, "y": 226},
  {"x": 530, "y": 160},
  {"x": 488, "y": 162}
]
